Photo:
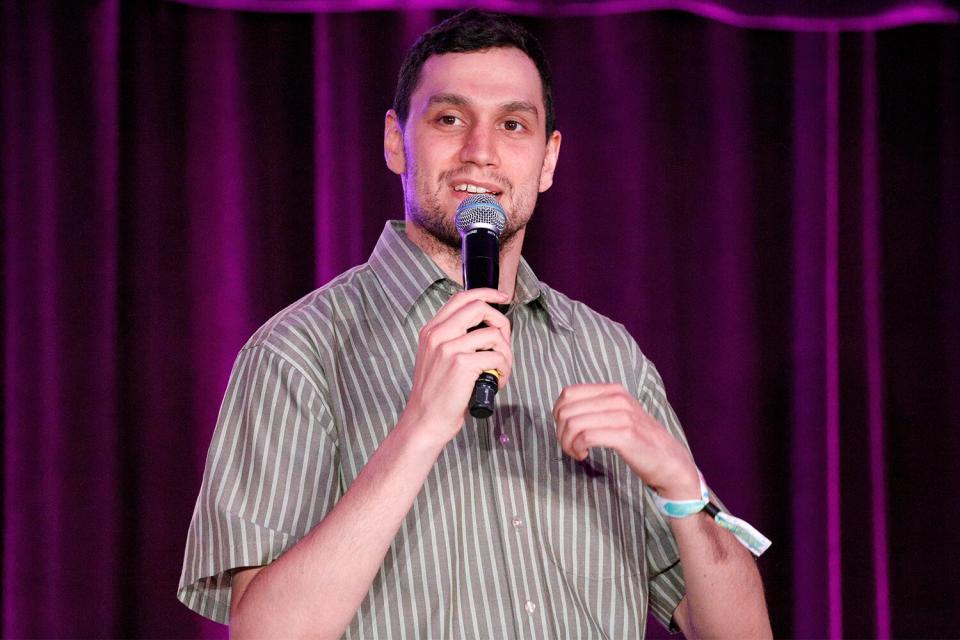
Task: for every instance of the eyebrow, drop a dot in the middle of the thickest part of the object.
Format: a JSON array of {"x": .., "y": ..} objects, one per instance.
[
  {"x": 457, "y": 100},
  {"x": 448, "y": 98},
  {"x": 520, "y": 105}
]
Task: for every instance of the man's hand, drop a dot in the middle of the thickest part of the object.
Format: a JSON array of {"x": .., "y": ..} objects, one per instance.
[
  {"x": 450, "y": 358},
  {"x": 724, "y": 594},
  {"x": 315, "y": 588},
  {"x": 607, "y": 415}
]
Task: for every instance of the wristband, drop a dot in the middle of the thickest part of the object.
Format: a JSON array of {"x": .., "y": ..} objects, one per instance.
[{"x": 749, "y": 537}]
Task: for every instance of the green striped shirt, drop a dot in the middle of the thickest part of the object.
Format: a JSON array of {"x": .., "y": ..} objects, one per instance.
[{"x": 508, "y": 537}]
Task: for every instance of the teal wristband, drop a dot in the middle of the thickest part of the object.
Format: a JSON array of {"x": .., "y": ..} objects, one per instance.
[
  {"x": 748, "y": 536},
  {"x": 683, "y": 508}
]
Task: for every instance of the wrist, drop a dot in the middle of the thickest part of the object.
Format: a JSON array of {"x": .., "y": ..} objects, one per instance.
[
  {"x": 684, "y": 484},
  {"x": 415, "y": 433},
  {"x": 679, "y": 509}
]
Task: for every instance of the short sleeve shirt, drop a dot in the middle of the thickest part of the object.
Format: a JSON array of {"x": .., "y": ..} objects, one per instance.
[{"x": 508, "y": 537}]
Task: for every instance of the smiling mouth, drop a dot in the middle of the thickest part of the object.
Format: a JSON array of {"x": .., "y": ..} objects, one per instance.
[{"x": 467, "y": 187}]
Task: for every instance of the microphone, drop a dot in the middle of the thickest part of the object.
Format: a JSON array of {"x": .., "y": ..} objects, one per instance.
[{"x": 480, "y": 220}]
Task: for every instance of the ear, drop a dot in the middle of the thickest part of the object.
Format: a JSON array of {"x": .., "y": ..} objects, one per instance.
[
  {"x": 393, "y": 143},
  {"x": 550, "y": 161}
]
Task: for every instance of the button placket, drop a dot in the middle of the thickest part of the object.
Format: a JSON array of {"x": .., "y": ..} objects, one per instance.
[{"x": 503, "y": 501}]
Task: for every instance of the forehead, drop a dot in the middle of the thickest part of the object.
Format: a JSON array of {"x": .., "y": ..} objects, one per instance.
[{"x": 491, "y": 76}]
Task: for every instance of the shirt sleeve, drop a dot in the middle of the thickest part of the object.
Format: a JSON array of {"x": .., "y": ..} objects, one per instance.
[
  {"x": 271, "y": 474},
  {"x": 664, "y": 572}
]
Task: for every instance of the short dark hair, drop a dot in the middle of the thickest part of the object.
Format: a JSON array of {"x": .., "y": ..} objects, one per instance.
[{"x": 471, "y": 30}]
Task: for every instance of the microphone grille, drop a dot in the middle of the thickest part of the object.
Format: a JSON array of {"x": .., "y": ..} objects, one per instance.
[{"x": 481, "y": 211}]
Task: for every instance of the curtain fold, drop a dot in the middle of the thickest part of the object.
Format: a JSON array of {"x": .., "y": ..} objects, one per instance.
[
  {"x": 774, "y": 215},
  {"x": 61, "y": 427}
]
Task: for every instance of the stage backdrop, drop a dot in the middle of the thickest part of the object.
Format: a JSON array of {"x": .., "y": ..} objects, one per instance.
[{"x": 773, "y": 213}]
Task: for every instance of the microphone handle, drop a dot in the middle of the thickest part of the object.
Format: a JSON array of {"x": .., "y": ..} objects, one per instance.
[
  {"x": 484, "y": 391},
  {"x": 481, "y": 268}
]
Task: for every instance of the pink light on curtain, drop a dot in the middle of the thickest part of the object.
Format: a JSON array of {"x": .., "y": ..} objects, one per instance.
[
  {"x": 218, "y": 202},
  {"x": 874, "y": 349},
  {"x": 882, "y": 18},
  {"x": 338, "y": 158},
  {"x": 832, "y": 317},
  {"x": 50, "y": 455}
]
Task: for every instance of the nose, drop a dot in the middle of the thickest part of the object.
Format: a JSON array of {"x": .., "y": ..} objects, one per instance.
[{"x": 479, "y": 147}]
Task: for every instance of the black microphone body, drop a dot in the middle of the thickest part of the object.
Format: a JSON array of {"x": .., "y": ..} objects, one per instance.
[
  {"x": 481, "y": 259},
  {"x": 481, "y": 220},
  {"x": 481, "y": 268}
]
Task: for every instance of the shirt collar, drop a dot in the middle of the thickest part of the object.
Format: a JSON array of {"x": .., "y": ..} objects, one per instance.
[{"x": 405, "y": 272}]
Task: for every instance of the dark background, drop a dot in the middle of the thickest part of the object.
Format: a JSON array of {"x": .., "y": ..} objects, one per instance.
[{"x": 773, "y": 213}]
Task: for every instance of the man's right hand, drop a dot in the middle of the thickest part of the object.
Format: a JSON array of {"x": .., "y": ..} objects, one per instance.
[
  {"x": 315, "y": 588},
  {"x": 450, "y": 358}
]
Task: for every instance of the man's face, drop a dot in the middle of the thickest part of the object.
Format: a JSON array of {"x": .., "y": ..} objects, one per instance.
[{"x": 475, "y": 125}]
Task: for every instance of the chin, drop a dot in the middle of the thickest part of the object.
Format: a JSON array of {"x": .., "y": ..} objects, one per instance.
[{"x": 440, "y": 228}]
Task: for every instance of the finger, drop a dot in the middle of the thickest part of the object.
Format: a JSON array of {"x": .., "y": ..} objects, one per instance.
[
  {"x": 606, "y": 437},
  {"x": 479, "y": 312},
  {"x": 477, "y": 362},
  {"x": 485, "y": 338},
  {"x": 618, "y": 400},
  {"x": 467, "y": 316},
  {"x": 574, "y": 392},
  {"x": 570, "y": 430},
  {"x": 462, "y": 298}
]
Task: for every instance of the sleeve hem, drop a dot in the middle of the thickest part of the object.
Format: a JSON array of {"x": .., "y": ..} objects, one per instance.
[{"x": 667, "y": 589}]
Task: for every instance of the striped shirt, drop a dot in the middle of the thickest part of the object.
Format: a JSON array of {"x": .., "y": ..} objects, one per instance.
[{"x": 508, "y": 536}]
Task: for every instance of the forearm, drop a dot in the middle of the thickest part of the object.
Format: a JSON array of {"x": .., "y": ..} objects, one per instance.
[
  {"x": 316, "y": 587},
  {"x": 724, "y": 593}
]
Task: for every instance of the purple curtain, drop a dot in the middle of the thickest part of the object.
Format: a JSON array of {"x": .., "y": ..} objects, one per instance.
[
  {"x": 775, "y": 14},
  {"x": 774, "y": 214}
]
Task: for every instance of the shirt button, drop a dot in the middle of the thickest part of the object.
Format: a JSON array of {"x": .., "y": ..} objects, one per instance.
[
  {"x": 530, "y": 606},
  {"x": 504, "y": 438},
  {"x": 516, "y": 522}
]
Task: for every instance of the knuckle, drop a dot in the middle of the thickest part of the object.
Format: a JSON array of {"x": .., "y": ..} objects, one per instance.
[{"x": 445, "y": 349}]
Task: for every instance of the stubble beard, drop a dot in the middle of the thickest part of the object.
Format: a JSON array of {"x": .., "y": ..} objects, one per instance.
[{"x": 427, "y": 213}]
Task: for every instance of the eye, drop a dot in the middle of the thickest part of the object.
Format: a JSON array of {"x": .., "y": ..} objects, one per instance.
[
  {"x": 449, "y": 120},
  {"x": 514, "y": 125}
]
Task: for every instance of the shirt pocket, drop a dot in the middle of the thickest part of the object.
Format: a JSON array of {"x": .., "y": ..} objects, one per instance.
[{"x": 589, "y": 515}]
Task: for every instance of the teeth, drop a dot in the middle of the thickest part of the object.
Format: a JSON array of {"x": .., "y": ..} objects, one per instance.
[{"x": 471, "y": 188}]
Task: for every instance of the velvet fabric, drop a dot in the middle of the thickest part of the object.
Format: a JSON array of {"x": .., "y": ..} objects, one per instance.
[{"x": 773, "y": 214}]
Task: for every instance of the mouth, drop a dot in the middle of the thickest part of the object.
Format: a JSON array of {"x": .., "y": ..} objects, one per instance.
[{"x": 464, "y": 189}]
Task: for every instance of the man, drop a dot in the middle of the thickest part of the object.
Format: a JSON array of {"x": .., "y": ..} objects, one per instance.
[{"x": 347, "y": 491}]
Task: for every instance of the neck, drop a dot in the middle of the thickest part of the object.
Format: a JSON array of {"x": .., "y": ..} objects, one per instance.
[{"x": 450, "y": 261}]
